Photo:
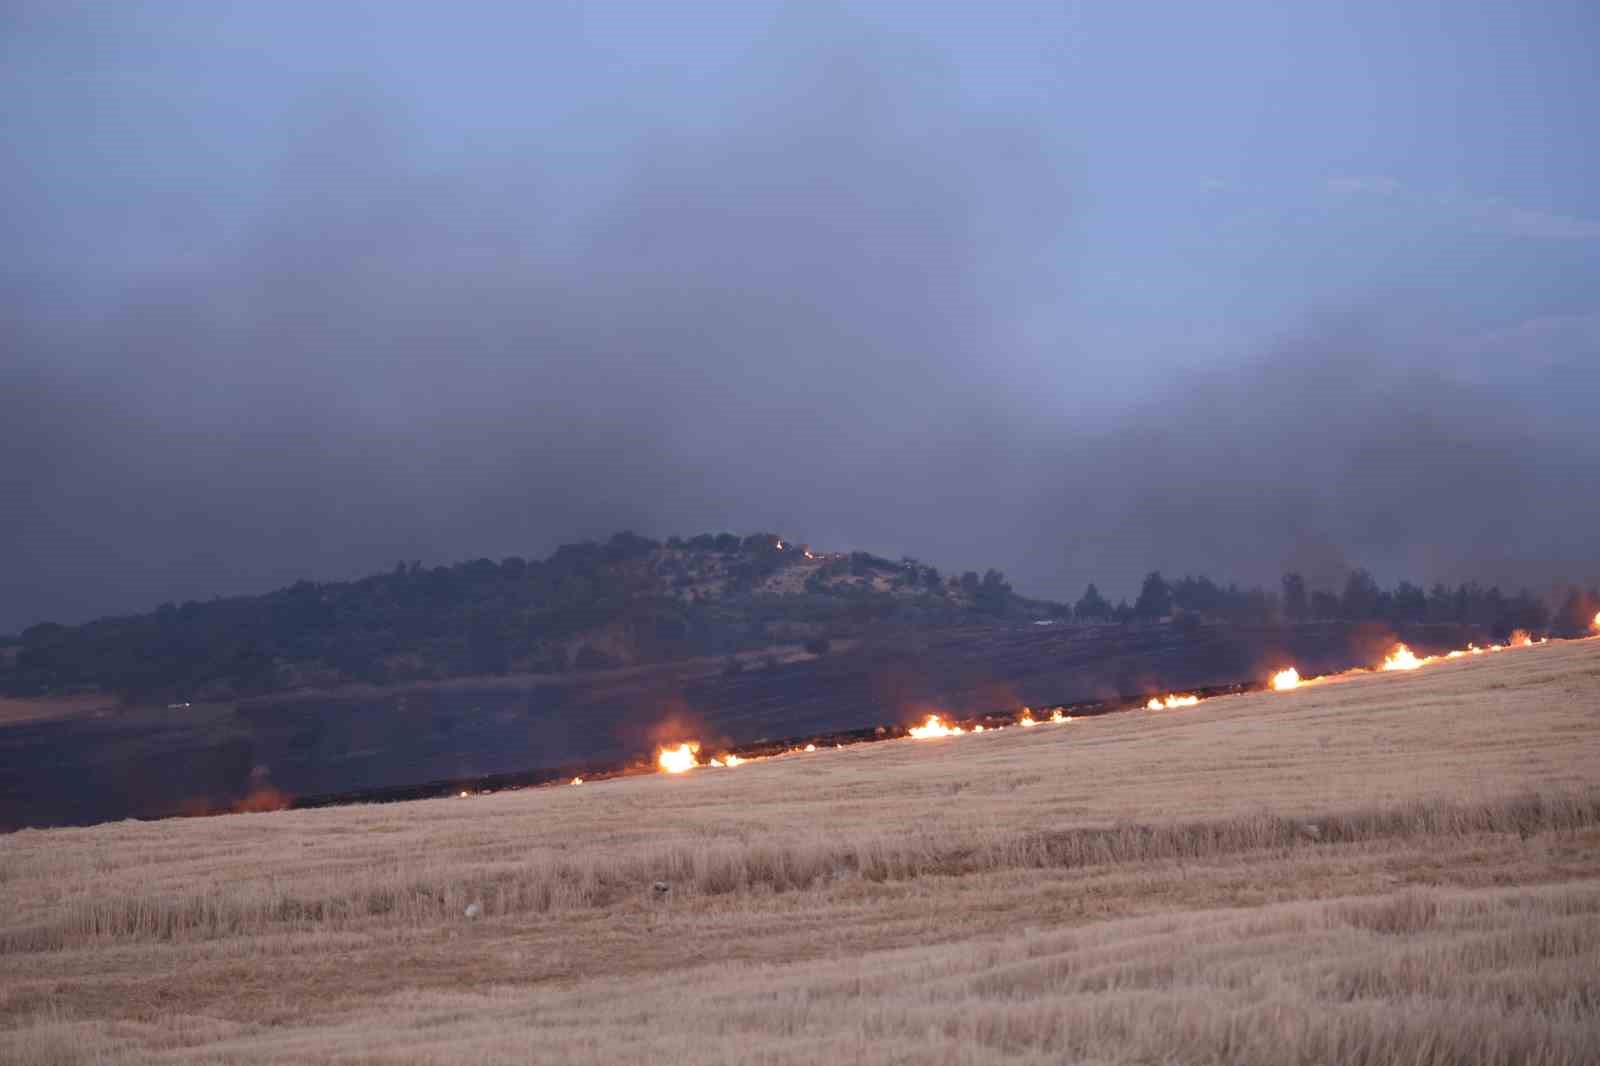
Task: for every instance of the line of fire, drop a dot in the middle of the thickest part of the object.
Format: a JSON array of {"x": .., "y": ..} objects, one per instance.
[{"x": 687, "y": 754}]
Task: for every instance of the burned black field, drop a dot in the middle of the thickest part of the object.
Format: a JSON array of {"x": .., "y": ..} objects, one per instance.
[{"x": 363, "y": 743}]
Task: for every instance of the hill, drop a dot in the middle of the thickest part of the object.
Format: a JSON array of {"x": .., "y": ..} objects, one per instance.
[
  {"x": 589, "y": 606},
  {"x": 633, "y": 601},
  {"x": 1394, "y": 867}
]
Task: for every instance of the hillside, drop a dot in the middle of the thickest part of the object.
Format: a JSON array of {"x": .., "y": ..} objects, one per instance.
[
  {"x": 1397, "y": 867},
  {"x": 632, "y": 601},
  {"x": 589, "y": 606}
]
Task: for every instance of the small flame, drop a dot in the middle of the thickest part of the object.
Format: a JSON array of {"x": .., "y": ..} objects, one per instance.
[
  {"x": 677, "y": 760},
  {"x": 462, "y": 795},
  {"x": 1057, "y": 717},
  {"x": 934, "y": 727},
  {"x": 1027, "y": 718},
  {"x": 1171, "y": 702},
  {"x": 1520, "y": 638},
  {"x": 809, "y": 747},
  {"x": 1286, "y": 679},
  {"x": 978, "y": 728},
  {"x": 577, "y": 780},
  {"x": 1595, "y": 625},
  {"x": 1401, "y": 658}
]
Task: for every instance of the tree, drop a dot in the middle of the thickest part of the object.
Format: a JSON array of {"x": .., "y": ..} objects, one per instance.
[
  {"x": 1574, "y": 619},
  {"x": 1092, "y": 605},
  {"x": 1155, "y": 598},
  {"x": 1361, "y": 594},
  {"x": 994, "y": 594},
  {"x": 1409, "y": 603},
  {"x": 1324, "y": 605},
  {"x": 1296, "y": 607}
]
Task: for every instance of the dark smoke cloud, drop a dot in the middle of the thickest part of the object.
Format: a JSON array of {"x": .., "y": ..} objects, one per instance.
[
  {"x": 1357, "y": 442},
  {"x": 810, "y": 315}
]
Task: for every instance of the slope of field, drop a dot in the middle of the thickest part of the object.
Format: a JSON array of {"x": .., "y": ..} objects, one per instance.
[
  {"x": 90, "y": 761},
  {"x": 1394, "y": 867}
]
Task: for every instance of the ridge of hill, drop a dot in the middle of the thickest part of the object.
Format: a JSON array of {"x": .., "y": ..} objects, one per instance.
[{"x": 589, "y": 606}]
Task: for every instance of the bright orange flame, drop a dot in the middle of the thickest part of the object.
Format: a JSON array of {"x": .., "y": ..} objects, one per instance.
[
  {"x": 810, "y": 747},
  {"x": 1595, "y": 625},
  {"x": 677, "y": 760},
  {"x": 1520, "y": 638},
  {"x": 1286, "y": 679},
  {"x": 1027, "y": 718},
  {"x": 1058, "y": 717},
  {"x": 577, "y": 780},
  {"x": 1402, "y": 658},
  {"x": 1171, "y": 702},
  {"x": 934, "y": 727}
]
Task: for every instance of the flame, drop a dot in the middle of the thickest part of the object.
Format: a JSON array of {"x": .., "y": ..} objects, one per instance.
[
  {"x": 1171, "y": 702},
  {"x": 978, "y": 728},
  {"x": 1286, "y": 679},
  {"x": 1402, "y": 658},
  {"x": 1595, "y": 625},
  {"x": 934, "y": 727},
  {"x": 462, "y": 795},
  {"x": 809, "y": 747},
  {"x": 677, "y": 760},
  {"x": 1027, "y": 717},
  {"x": 1520, "y": 638},
  {"x": 577, "y": 780},
  {"x": 1057, "y": 717}
]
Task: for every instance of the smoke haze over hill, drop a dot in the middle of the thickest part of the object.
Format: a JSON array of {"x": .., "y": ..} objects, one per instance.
[{"x": 302, "y": 290}]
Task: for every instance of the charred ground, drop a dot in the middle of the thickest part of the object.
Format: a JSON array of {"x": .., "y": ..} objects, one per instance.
[{"x": 589, "y": 658}]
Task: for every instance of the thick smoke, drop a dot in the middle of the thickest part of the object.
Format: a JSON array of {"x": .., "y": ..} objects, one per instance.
[
  {"x": 1357, "y": 442},
  {"x": 815, "y": 311}
]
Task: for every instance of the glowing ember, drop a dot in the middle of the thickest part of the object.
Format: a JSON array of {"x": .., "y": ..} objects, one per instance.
[
  {"x": 1171, "y": 702},
  {"x": 677, "y": 760},
  {"x": 934, "y": 727},
  {"x": 1284, "y": 680},
  {"x": 1401, "y": 658}
]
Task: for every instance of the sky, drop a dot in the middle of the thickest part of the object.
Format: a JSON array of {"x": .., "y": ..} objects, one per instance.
[{"x": 1077, "y": 291}]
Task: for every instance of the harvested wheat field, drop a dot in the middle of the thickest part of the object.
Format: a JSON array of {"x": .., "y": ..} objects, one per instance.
[{"x": 1389, "y": 868}]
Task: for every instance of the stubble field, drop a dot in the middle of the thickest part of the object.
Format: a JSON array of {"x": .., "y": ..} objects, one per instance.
[{"x": 1393, "y": 867}]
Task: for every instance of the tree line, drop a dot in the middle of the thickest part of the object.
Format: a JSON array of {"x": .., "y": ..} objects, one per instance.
[
  {"x": 629, "y": 599},
  {"x": 1361, "y": 599}
]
